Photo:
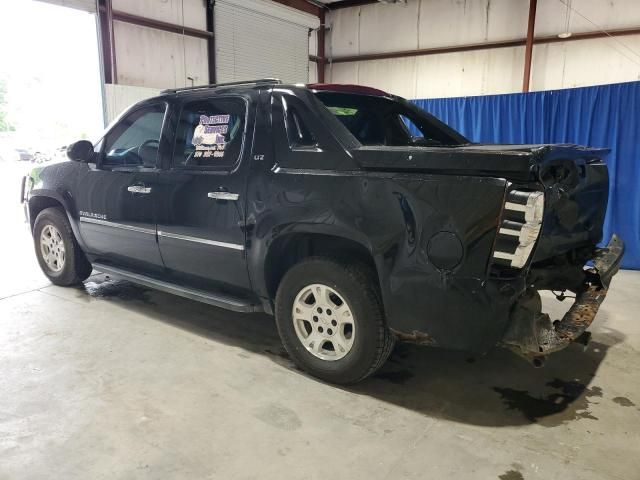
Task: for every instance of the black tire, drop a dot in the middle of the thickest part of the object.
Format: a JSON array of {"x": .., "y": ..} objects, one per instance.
[
  {"x": 76, "y": 268},
  {"x": 372, "y": 341}
]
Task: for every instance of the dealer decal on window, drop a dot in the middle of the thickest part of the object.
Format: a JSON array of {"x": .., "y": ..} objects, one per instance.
[{"x": 208, "y": 136}]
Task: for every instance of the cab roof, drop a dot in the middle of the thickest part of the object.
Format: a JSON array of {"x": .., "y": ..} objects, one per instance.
[
  {"x": 328, "y": 87},
  {"x": 348, "y": 88}
]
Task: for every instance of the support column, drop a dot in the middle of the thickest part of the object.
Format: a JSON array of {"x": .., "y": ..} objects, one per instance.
[
  {"x": 107, "y": 43},
  {"x": 322, "y": 61},
  {"x": 528, "y": 52},
  {"x": 211, "y": 42}
]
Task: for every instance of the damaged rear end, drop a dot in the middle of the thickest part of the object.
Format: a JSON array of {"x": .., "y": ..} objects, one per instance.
[
  {"x": 549, "y": 232},
  {"x": 534, "y": 335}
]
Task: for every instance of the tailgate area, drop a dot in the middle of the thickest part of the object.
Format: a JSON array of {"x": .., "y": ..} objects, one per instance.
[{"x": 576, "y": 203}]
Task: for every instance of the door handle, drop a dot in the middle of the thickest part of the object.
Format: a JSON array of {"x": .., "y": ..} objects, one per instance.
[
  {"x": 138, "y": 189},
  {"x": 223, "y": 195}
]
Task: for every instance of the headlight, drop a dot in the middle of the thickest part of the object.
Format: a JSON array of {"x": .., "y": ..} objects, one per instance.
[{"x": 520, "y": 228}]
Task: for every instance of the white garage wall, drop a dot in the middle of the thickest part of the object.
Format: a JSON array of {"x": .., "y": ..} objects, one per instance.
[
  {"x": 120, "y": 97},
  {"x": 148, "y": 57},
  {"x": 420, "y": 24},
  {"x": 152, "y": 58},
  {"x": 170, "y": 11},
  {"x": 430, "y": 76},
  {"x": 585, "y": 62}
]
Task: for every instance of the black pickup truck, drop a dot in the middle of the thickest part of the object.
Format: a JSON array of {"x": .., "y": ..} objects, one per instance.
[{"x": 320, "y": 205}]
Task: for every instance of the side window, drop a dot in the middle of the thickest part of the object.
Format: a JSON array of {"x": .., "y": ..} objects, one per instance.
[
  {"x": 298, "y": 133},
  {"x": 416, "y": 134},
  {"x": 413, "y": 130},
  {"x": 210, "y": 133},
  {"x": 135, "y": 140}
]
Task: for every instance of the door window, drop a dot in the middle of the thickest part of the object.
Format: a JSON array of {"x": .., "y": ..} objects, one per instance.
[
  {"x": 210, "y": 133},
  {"x": 135, "y": 140}
]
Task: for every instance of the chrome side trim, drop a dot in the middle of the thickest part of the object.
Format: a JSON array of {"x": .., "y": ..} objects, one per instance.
[
  {"x": 175, "y": 236},
  {"x": 121, "y": 226},
  {"x": 223, "y": 196},
  {"x": 138, "y": 189},
  {"x": 330, "y": 173}
]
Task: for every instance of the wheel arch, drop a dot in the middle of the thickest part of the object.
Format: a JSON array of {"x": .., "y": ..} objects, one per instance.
[
  {"x": 41, "y": 199},
  {"x": 37, "y": 203},
  {"x": 289, "y": 249}
]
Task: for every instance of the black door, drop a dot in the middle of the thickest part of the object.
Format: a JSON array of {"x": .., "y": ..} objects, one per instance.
[
  {"x": 201, "y": 213},
  {"x": 119, "y": 196}
]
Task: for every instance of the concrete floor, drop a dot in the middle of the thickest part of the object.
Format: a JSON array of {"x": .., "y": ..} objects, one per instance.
[{"x": 116, "y": 381}]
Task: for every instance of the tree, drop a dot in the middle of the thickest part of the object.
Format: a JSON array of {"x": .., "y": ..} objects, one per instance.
[{"x": 5, "y": 125}]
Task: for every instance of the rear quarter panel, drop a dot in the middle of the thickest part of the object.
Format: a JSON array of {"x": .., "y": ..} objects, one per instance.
[{"x": 394, "y": 216}]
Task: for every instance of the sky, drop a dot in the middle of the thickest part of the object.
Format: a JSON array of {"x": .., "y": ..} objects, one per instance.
[{"x": 49, "y": 61}]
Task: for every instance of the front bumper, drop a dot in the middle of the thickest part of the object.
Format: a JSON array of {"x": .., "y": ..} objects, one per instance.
[{"x": 531, "y": 332}]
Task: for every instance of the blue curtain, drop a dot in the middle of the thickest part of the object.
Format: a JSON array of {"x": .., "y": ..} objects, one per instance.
[{"x": 604, "y": 116}]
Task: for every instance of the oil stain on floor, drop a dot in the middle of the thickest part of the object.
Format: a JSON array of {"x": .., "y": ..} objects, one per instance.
[
  {"x": 398, "y": 377},
  {"x": 570, "y": 402},
  {"x": 117, "y": 289},
  {"x": 624, "y": 401},
  {"x": 511, "y": 475},
  {"x": 281, "y": 353}
]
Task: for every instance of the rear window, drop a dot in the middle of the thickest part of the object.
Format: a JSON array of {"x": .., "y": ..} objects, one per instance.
[
  {"x": 343, "y": 111},
  {"x": 374, "y": 120}
]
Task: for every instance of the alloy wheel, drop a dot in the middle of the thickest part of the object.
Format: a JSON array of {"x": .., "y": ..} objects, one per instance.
[
  {"x": 324, "y": 322},
  {"x": 52, "y": 248}
]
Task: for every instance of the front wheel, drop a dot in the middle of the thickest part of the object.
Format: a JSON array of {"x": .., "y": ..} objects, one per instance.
[
  {"x": 331, "y": 320},
  {"x": 57, "y": 250}
]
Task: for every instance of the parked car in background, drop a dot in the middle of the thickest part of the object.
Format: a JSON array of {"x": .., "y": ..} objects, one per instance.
[
  {"x": 318, "y": 205},
  {"x": 24, "y": 155},
  {"x": 40, "y": 157}
]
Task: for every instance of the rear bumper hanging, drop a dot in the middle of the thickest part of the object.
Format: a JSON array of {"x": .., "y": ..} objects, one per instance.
[{"x": 531, "y": 332}]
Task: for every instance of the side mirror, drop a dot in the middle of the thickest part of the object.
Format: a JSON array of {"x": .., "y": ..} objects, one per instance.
[{"x": 81, "y": 151}]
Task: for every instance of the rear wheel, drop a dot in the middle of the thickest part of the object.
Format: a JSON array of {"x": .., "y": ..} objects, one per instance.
[
  {"x": 331, "y": 320},
  {"x": 57, "y": 250}
]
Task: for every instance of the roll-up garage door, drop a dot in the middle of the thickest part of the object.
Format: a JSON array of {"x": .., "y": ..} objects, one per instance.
[{"x": 259, "y": 38}]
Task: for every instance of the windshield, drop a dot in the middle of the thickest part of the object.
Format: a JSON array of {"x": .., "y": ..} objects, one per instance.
[{"x": 375, "y": 120}]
